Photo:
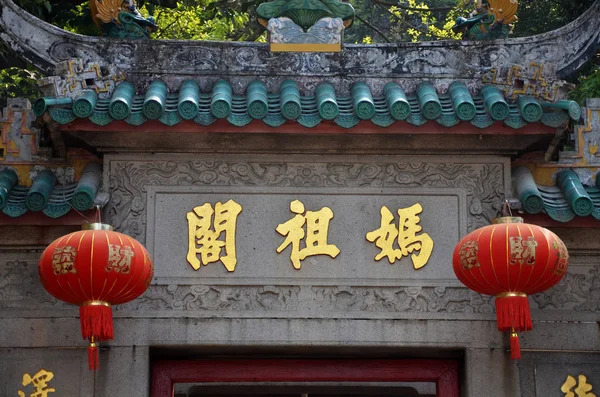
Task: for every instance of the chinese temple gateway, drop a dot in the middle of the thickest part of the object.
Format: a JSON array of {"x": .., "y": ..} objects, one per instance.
[{"x": 300, "y": 217}]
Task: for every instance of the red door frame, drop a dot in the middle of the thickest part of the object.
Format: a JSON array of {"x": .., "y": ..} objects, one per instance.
[{"x": 443, "y": 372}]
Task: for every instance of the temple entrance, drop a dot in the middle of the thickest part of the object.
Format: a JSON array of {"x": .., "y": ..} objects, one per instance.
[
  {"x": 414, "y": 389},
  {"x": 305, "y": 378}
]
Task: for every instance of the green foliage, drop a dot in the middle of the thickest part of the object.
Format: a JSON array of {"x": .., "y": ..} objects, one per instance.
[
  {"x": 408, "y": 20},
  {"x": 588, "y": 87},
  {"x": 377, "y": 21},
  {"x": 16, "y": 82},
  {"x": 235, "y": 19},
  {"x": 539, "y": 16},
  {"x": 57, "y": 12},
  {"x": 427, "y": 25},
  {"x": 197, "y": 22}
]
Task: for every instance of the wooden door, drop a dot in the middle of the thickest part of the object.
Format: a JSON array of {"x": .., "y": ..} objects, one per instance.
[{"x": 444, "y": 373}]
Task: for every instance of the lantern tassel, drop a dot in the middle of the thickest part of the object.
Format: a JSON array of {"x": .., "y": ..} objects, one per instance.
[
  {"x": 512, "y": 312},
  {"x": 515, "y": 346},
  {"x": 93, "y": 356},
  {"x": 96, "y": 321}
]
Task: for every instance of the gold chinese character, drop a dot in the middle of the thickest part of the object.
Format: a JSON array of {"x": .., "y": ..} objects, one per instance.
[
  {"x": 63, "y": 260},
  {"x": 406, "y": 233},
  {"x": 468, "y": 255},
  {"x": 39, "y": 382},
  {"x": 562, "y": 258},
  {"x": 206, "y": 242},
  {"x": 317, "y": 229},
  {"x": 582, "y": 390},
  {"x": 522, "y": 251},
  {"x": 119, "y": 258}
]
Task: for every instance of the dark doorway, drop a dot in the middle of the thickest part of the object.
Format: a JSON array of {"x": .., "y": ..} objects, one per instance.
[{"x": 305, "y": 378}]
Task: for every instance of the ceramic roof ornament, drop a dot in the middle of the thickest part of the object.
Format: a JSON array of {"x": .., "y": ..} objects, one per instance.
[
  {"x": 562, "y": 52},
  {"x": 492, "y": 19},
  {"x": 306, "y": 25},
  {"x": 120, "y": 18}
]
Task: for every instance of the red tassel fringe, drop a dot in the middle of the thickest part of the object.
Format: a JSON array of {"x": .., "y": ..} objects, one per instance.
[
  {"x": 515, "y": 346},
  {"x": 96, "y": 322},
  {"x": 512, "y": 313},
  {"x": 93, "y": 357}
]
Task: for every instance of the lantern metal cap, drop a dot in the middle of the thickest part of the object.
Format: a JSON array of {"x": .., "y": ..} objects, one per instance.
[
  {"x": 507, "y": 219},
  {"x": 96, "y": 226}
]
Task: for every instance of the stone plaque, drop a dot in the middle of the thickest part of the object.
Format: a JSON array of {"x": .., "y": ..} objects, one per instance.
[
  {"x": 558, "y": 379},
  {"x": 33, "y": 372},
  {"x": 356, "y": 212}
]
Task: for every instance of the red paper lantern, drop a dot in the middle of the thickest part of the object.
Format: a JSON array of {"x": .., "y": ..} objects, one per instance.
[
  {"x": 96, "y": 268},
  {"x": 510, "y": 260}
]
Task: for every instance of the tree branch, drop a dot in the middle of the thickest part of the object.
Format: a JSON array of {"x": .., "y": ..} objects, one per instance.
[
  {"x": 409, "y": 8},
  {"x": 373, "y": 27},
  {"x": 404, "y": 22}
]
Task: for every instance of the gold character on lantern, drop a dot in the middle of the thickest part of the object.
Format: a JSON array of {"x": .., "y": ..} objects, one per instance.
[
  {"x": 406, "y": 235},
  {"x": 468, "y": 255},
  {"x": 317, "y": 230},
  {"x": 39, "y": 382},
  {"x": 63, "y": 260},
  {"x": 522, "y": 251},
  {"x": 582, "y": 389},
  {"x": 562, "y": 259},
  {"x": 119, "y": 258},
  {"x": 206, "y": 242}
]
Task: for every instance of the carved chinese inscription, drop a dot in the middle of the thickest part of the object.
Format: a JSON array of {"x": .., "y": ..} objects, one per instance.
[
  {"x": 405, "y": 234},
  {"x": 209, "y": 244},
  {"x": 583, "y": 389},
  {"x": 39, "y": 381},
  {"x": 317, "y": 229}
]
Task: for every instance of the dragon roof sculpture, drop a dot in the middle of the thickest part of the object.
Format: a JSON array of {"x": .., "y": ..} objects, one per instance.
[
  {"x": 492, "y": 19},
  {"x": 120, "y": 18}
]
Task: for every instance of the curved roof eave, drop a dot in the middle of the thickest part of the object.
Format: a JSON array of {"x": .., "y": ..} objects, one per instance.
[{"x": 45, "y": 45}]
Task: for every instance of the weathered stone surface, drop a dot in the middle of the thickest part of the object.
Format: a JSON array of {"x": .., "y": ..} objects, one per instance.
[
  {"x": 19, "y": 138},
  {"x": 356, "y": 212},
  {"x": 73, "y": 78},
  {"x": 484, "y": 184},
  {"x": 358, "y": 141},
  {"x": 575, "y": 292},
  {"x": 306, "y": 318},
  {"x": 500, "y": 377},
  {"x": 585, "y": 151},
  {"x": 544, "y": 374},
  {"x": 565, "y": 49},
  {"x": 574, "y": 299},
  {"x": 70, "y": 376}
]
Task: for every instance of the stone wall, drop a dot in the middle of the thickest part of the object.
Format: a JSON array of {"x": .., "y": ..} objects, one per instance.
[{"x": 328, "y": 306}]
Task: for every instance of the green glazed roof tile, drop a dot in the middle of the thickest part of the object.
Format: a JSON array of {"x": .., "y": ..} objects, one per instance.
[
  {"x": 205, "y": 119},
  {"x": 309, "y": 121},
  {"x": 288, "y": 105},
  {"x": 47, "y": 196},
  {"x": 563, "y": 203}
]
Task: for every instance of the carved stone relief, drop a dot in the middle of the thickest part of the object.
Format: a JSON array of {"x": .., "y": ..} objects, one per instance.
[
  {"x": 20, "y": 289},
  {"x": 566, "y": 48},
  {"x": 128, "y": 180},
  {"x": 578, "y": 292},
  {"x": 316, "y": 299}
]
